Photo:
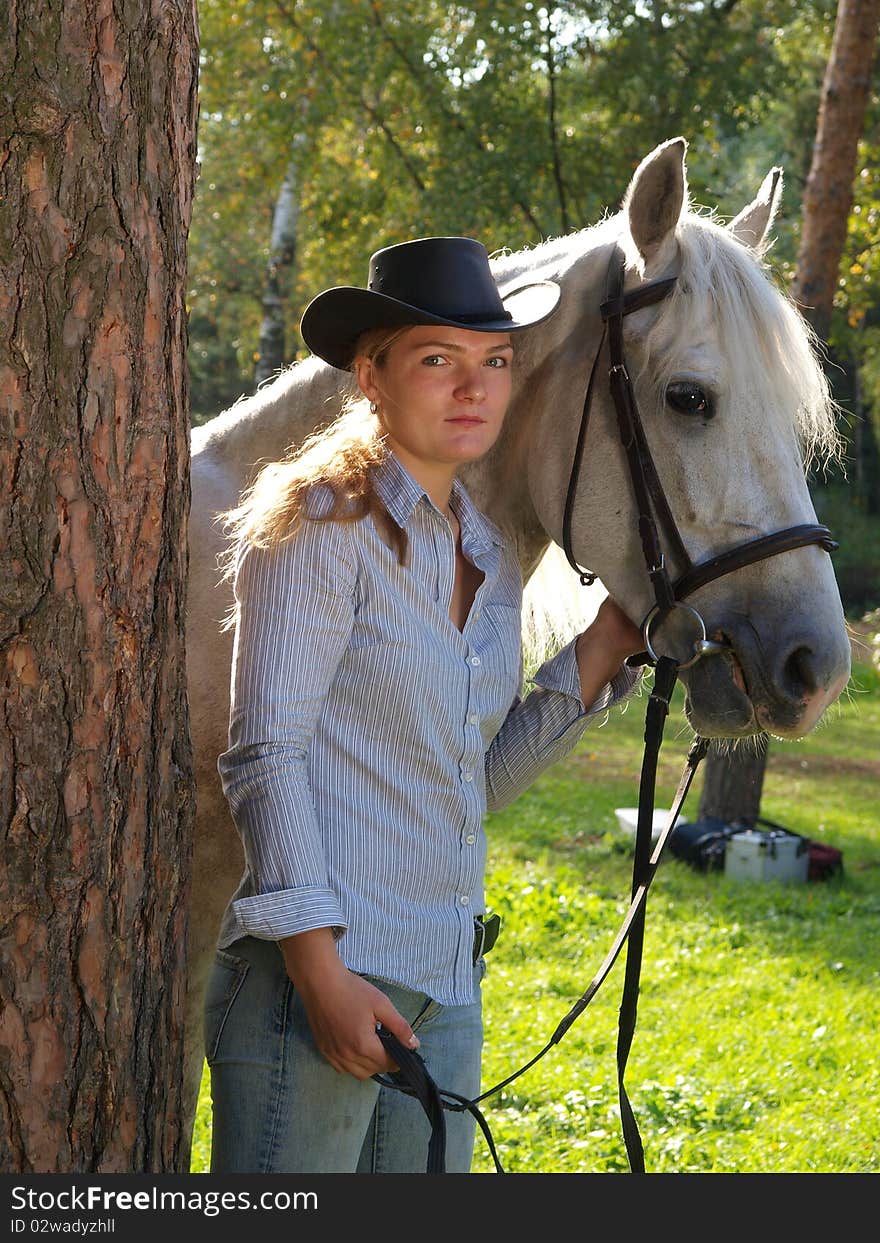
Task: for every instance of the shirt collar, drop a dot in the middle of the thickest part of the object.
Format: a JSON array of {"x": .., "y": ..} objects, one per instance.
[
  {"x": 399, "y": 492},
  {"x": 396, "y": 489},
  {"x": 477, "y": 532}
]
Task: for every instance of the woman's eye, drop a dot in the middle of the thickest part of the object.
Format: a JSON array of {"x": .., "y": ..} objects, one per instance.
[
  {"x": 433, "y": 360},
  {"x": 497, "y": 361},
  {"x": 688, "y": 398}
]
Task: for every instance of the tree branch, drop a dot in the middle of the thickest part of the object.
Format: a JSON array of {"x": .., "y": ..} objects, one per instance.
[
  {"x": 370, "y": 109},
  {"x": 425, "y": 83}
]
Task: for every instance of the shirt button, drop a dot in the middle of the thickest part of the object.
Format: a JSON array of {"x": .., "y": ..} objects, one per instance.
[
  {"x": 470, "y": 839},
  {"x": 475, "y": 660},
  {"x": 473, "y": 719},
  {"x": 467, "y": 775},
  {"x": 475, "y": 614},
  {"x": 464, "y": 899}
]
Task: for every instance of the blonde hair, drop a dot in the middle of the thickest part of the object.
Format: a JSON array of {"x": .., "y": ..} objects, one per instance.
[{"x": 341, "y": 456}]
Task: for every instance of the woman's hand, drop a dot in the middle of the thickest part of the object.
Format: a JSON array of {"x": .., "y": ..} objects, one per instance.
[
  {"x": 603, "y": 647},
  {"x": 342, "y": 1008}
]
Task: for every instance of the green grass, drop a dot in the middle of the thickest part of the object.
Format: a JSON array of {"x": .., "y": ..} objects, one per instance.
[{"x": 756, "y": 1044}]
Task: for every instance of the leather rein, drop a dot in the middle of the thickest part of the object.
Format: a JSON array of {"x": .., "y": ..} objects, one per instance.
[{"x": 654, "y": 515}]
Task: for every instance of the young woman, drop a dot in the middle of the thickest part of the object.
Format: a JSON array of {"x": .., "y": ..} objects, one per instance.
[{"x": 376, "y": 714}]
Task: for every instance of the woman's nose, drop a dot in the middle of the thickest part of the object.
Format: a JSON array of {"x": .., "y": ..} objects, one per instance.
[{"x": 471, "y": 386}]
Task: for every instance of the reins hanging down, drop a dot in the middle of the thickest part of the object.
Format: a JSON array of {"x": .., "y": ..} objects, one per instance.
[{"x": 653, "y": 514}]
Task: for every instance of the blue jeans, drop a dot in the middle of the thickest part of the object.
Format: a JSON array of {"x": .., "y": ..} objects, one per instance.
[{"x": 280, "y": 1108}]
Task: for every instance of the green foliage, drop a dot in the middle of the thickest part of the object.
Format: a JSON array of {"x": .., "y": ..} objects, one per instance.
[
  {"x": 759, "y": 1005},
  {"x": 857, "y": 560},
  {"x": 510, "y": 122},
  {"x": 216, "y": 374},
  {"x": 855, "y": 332},
  {"x": 503, "y": 120}
]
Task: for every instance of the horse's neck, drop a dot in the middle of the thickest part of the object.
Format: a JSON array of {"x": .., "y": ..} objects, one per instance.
[
  {"x": 498, "y": 486},
  {"x": 547, "y": 401},
  {"x": 262, "y": 427}
]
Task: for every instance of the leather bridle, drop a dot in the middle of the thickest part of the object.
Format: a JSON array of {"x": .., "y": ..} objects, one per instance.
[{"x": 653, "y": 512}]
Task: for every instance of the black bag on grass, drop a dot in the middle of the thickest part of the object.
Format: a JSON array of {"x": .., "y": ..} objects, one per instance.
[{"x": 702, "y": 843}]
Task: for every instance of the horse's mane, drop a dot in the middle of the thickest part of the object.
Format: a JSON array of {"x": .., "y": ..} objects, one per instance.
[
  {"x": 718, "y": 278},
  {"x": 759, "y": 323}
]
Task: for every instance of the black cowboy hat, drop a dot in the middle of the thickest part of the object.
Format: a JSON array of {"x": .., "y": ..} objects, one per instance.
[{"x": 431, "y": 280}]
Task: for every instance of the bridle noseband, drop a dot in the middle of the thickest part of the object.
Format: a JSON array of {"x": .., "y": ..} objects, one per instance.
[{"x": 653, "y": 510}]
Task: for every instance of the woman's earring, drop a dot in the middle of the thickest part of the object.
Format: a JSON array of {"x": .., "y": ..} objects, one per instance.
[{"x": 374, "y": 407}]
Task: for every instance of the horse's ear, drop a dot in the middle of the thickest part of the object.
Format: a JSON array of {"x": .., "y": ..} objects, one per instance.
[
  {"x": 753, "y": 223},
  {"x": 654, "y": 202}
]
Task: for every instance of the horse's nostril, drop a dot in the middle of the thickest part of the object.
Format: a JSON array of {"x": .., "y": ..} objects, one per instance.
[{"x": 799, "y": 674}]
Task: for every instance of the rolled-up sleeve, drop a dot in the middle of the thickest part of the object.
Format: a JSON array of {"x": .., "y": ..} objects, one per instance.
[
  {"x": 294, "y": 617},
  {"x": 546, "y": 725}
]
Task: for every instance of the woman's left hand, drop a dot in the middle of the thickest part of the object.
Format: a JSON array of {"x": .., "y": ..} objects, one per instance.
[{"x": 603, "y": 647}]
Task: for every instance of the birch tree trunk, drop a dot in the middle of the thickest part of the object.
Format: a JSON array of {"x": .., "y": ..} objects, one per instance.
[
  {"x": 281, "y": 259},
  {"x": 96, "y": 789}
]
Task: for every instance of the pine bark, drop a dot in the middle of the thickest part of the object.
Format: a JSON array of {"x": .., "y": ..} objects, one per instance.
[
  {"x": 97, "y": 167},
  {"x": 828, "y": 195}
]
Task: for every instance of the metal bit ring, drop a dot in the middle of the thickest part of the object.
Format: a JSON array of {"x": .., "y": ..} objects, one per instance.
[{"x": 703, "y": 646}]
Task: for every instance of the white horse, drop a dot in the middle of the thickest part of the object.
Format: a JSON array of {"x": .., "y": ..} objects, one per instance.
[{"x": 734, "y": 403}]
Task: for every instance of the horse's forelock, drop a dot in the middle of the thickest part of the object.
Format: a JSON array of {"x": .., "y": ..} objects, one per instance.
[{"x": 720, "y": 278}]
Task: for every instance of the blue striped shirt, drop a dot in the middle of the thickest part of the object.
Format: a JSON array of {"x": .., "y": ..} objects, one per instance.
[{"x": 368, "y": 735}]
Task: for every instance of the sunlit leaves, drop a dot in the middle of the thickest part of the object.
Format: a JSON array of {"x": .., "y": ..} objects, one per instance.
[{"x": 404, "y": 118}]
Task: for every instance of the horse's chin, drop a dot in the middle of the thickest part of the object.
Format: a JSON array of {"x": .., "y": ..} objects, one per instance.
[
  {"x": 715, "y": 705},
  {"x": 720, "y": 703}
]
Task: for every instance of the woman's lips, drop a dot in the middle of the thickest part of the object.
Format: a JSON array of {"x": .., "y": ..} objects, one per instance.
[{"x": 470, "y": 420}]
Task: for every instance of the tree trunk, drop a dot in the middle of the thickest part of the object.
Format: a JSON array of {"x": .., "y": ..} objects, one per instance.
[
  {"x": 732, "y": 785},
  {"x": 828, "y": 195},
  {"x": 282, "y": 254},
  {"x": 96, "y": 787}
]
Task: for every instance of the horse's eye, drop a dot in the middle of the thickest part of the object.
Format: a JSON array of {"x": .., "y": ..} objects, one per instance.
[{"x": 688, "y": 398}]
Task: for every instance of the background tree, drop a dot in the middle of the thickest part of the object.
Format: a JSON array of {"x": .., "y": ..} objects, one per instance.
[
  {"x": 506, "y": 120},
  {"x": 828, "y": 196},
  {"x": 834, "y": 266},
  {"x": 96, "y": 798},
  {"x": 270, "y": 353}
]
